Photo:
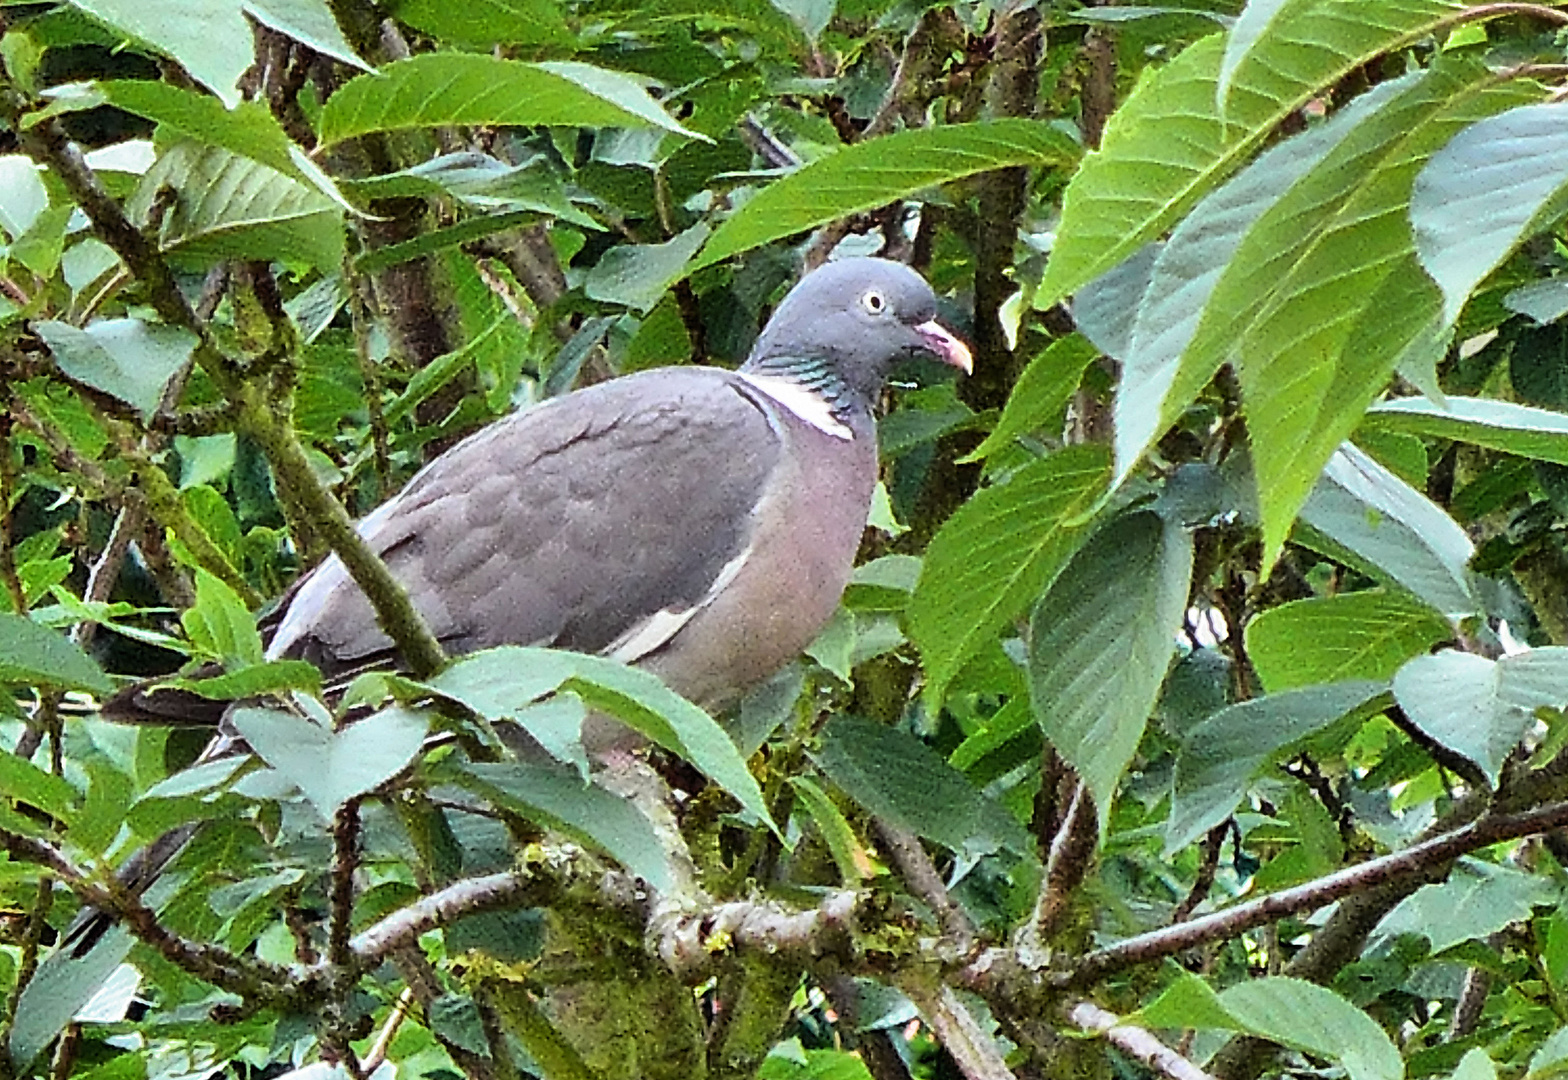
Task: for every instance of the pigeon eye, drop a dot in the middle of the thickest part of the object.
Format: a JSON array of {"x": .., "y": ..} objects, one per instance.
[{"x": 874, "y": 302}]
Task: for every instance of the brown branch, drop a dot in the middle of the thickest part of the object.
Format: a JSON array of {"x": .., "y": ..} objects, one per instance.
[
  {"x": 345, "y": 859},
  {"x": 1135, "y": 1042},
  {"x": 920, "y": 875},
  {"x": 1072, "y": 851},
  {"x": 250, "y": 978},
  {"x": 974, "y": 1051},
  {"x": 1426, "y": 857}
]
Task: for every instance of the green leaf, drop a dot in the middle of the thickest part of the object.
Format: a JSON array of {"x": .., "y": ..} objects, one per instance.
[
  {"x": 332, "y": 767},
  {"x": 61, "y": 987},
  {"x": 1319, "y": 1021},
  {"x": 1170, "y": 143},
  {"x": 990, "y": 560},
  {"x": 1347, "y": 302},
  {"x": 25, "y": 782},
  {"x": 498, "y": 682},
  {"x": 1040, "y": 395},
  {"x": 230, "y": 206},
  {"x": 1382, "y": 525},
  {"x": 1496, "y": 184},
  {"x": 1188, "y": 1002},
  {"x": 1478, "y": 899},
  {"x": 1171, "y": 352},
  {"x": 1362, "y": 635},
  {"x": 308, "y": 21},
  {"x": 557, "y": 796},
  {"x": 33, "y": 655},
  {"x": 221, "y": 625},
  {"x": 268, "y": 677},
  {"x": 249, "y": 129},
  {"x": 1478, "y": 707},
  {"x": 1221, "y": 755},
  {"x": 898, "y": 777},
  {"x": 1100, "y": 641},
  {"x": 210, "y": 38},
  {"x": 791, "y": 1061},
  {"x": 884, "y": 170},
  {"x": 854, "y": 863},
  {"x": 638, "y": 275},
  {"x": 438, "y": 89},
  {"x": 481, "y": 24},
  {"x": 1475, "y": 1065},
  {"x": 1497, "y": 425},
  {"x": 124, "y": 358}
]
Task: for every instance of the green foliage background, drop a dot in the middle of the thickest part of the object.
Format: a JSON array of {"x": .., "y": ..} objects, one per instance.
[{"x": 1199, "y": 702}]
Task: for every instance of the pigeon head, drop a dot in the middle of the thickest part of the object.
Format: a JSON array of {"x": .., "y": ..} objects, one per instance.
[{"x": 847, "y": 323}]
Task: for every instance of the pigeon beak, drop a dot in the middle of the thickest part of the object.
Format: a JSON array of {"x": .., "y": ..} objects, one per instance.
[{"x": 940, "y": 340}]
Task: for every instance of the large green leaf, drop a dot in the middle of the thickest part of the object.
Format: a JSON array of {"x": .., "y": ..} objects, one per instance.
[
  {"x": 1163, "y": 368},
  {"x": 230, "y": 206},
  {"x": 884, "y": 170},
  {"x": 1171, "y": 143},
  {"x": 1493, "y": 186},
  {"x": 1362, "y": 635},
  {"x": 1319, "y": 1021},
  {"x": 500, "y": 682},
  {"x": 1477, "y": 900},
  {"x": 1363, "y": 513},
  {"x": 1346, "y": 299},
  {"x": 990, "y": 560},
  {"x": 124, "y": 358},
  {"x": 1100, "y": 641},
  {"x": 34, "y": 655},
  {"x": 638, "y": 275},
  {"x": 557, "y": 795},
  {"x": 896, "y": 776},
  {"x": 1498, "y": 425},
  {"x": 249, "y": 129},
  {"x": 1221, "y": 755},
  {"x": 438, "y": 89},
  {"x": 332, "y": 767},
  {"x": 220, "y": 625},
  {"x": 1479, "y": 707}
]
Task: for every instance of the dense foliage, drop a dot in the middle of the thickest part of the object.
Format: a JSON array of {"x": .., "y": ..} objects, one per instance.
[{"x": 1199, "y": 703}]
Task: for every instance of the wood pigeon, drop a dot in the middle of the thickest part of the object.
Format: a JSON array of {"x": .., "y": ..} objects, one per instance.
[{"x": 699, "y": 522}]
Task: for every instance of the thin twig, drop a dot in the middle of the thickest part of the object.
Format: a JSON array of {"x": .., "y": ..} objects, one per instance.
[
  {"x": 920, "y": 875},
  {"x": 1135, "y": 1042},
  {"x": 345, "y": 859},
  {"x": 974, "y": 1051}
]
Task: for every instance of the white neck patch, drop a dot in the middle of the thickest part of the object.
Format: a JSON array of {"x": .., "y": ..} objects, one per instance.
[{"x": 802, "y": 402}]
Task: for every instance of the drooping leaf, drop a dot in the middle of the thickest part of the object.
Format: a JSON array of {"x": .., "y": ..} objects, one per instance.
[
  {"x": 1479, "y": 707},
  {"x": 1301, "y": 1014},
  {"x": 124, "y": 358},
  {"x": 230, "y": 206},
  {"x": 211, "y": 40},
  {"x": 332, "y": 767},
  {"x": 1493, "y": 186},
  {"x": 880, "y": 171},
  {"x": 34, "y": 655},
  {"x": 498, "y": 682},
  {"x": 992, "y": 558},
  {"x": 1361, "y": 635},
  {"x": 1383, "y": 525},
  {"x": 896, "y": 776},
  {"x": 557, "y": 796},
  {"x": 1100, "y": 641},
  {"x": 853, "y": 861},
  {"x": 1221, "y": 755},
  {"x": 249, "y": 129},
  {"x": 1478, "y": 899},
  {"x": 1164, "y": 366},
  {"x": 60, "y": 988},
  {"x": 1498, "y": 425},
  {"x": 438, "y": 89},
  {"x": 1117, "y": 202},
  {"x": 27, "y": 783}
]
